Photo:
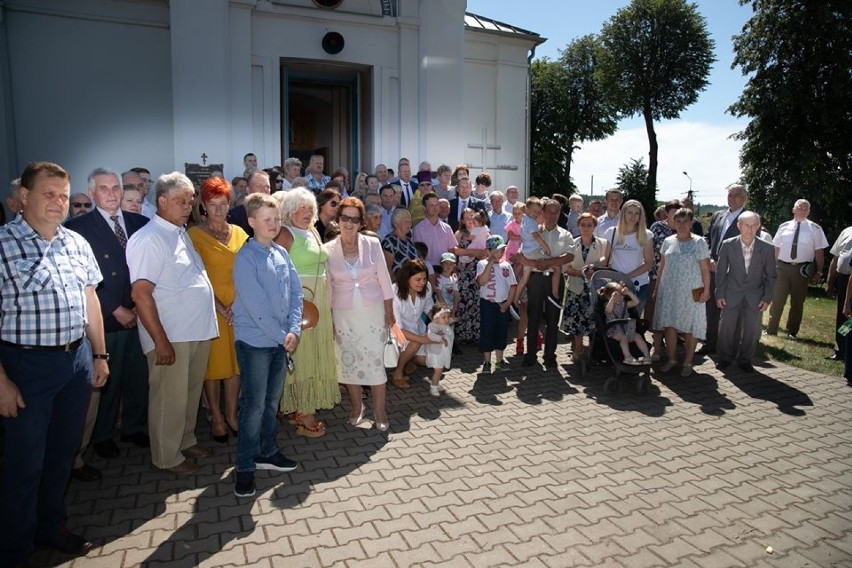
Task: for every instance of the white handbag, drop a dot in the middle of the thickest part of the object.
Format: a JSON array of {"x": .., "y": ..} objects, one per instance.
[{"x": 391, "y": 352}]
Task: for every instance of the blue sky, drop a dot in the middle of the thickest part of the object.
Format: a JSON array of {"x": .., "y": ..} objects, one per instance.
[{"x": 697, "y": 143}]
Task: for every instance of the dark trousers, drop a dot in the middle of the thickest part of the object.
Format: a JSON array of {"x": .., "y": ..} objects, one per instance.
[
  {"x": 739, "y": 333},
  {"x": 128, "y": 381},
  {"x": 493, "y": 327},
  {"x": 537, "y": 291},
  {"x": 840, "y": 341},
  {"x": 713, "y": 316},
  {"x": 40, "y": 444}
]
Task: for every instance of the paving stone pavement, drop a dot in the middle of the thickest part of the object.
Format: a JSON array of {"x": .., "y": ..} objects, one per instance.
[{"x": 527, "y": 467}]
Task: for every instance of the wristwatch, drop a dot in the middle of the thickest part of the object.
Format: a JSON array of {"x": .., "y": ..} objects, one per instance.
[{"x": 104, "y": 356}]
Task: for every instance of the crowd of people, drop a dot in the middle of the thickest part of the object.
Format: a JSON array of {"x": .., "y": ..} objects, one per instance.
[{"x": 266, "y": 298}]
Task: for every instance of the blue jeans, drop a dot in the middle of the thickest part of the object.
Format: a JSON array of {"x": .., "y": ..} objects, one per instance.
[
  {"x": 41, "y": 444},
  {"x": 262, "y": 371}
]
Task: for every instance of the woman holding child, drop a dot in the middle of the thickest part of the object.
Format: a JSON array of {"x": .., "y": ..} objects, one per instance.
[
  {"x": 469, "y": 252},
  {"x": 684, "y": 271}
]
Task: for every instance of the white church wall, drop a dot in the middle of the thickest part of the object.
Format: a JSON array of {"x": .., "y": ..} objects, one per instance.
[
  {"x": 495, "y": 99},
  {"x": 90, "y": 90}
]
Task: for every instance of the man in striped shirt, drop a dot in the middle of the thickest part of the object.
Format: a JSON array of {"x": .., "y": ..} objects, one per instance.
[{"x": 52, "y": 352}]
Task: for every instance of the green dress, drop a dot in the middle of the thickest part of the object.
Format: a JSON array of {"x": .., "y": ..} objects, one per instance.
[{"x": 313, "y": 384}]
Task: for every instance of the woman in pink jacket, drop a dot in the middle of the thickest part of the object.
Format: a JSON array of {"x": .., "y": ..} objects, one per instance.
[{"x": 362, "y": 310}]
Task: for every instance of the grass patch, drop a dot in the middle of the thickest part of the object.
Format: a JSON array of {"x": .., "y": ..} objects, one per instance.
[{"x": 814, "y": 342}]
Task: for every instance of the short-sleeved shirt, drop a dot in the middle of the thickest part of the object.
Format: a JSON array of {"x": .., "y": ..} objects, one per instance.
[
  {"x": 499, "y": 220},
  {"x": 438, "y": 238},
  {"x": 605, "y": 222},
  {"x": 161, "y": 253},
  {"x": 528, "y": 242},
  {"x": 43, "y": 285},
  {"x": 842, "y": 249},
  {"x": 811, "y": 238},
  {"x": 500, "y": 281},
  {"x": 628, "y": 255}
]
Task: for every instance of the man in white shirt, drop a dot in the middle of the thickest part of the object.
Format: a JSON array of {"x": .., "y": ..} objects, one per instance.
[
  {"x": 174, "y": 302},
  {"x": 512, "y": 193},
  {"x": 406, "y": 184},
  {"x": 614, "y": 199},
  {"x": 798, "y": 243},
  {"x": 838, "y": 279},
  {"x": 292, "y": 168}
]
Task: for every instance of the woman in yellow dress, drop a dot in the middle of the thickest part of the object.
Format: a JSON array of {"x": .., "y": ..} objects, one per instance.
[
  {"x": 217, "y": 243},
  {"x": 313, "y": 384}
]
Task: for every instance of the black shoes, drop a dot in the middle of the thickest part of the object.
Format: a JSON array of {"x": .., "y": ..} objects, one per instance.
[
  {"x": 722, "y": 365},
  {"x": 67, "y": 542},
  {"x": 746, "y": 367},
  {"x": 107, "y": 449},
  {"x": 86, "y": 474},
  {"x": 139, "y": 439},
  {"x": 244, "y": 484}
]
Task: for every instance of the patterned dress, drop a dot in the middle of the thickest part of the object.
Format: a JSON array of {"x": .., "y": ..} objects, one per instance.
[
  {"x": 467, "y": 327},
  {"x": 401, "y": 249},
  {"x": 675, "y": 306},
  {"x": 576, "y": 318}
]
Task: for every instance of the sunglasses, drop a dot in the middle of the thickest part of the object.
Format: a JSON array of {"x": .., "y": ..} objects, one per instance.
[
  {"x": 348, "y": 219},
  {"x": 78, "y": 205}
]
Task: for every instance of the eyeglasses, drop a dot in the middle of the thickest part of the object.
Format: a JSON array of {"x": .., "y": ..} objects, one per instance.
[
  {"x": 348, "y": 219},
  {"x": 334, "y": 203},
  {"x": 78, "y": 205}
]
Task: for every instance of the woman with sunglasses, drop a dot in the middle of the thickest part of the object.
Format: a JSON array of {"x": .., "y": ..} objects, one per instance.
[
  {"x": 362, "y": 310},
  {"x": 328, "y": 201}
]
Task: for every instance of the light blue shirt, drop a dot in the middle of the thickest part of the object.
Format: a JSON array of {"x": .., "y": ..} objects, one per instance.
[
  {"x": 498, "y": 224},
  {"x": 268, "y": 303}
]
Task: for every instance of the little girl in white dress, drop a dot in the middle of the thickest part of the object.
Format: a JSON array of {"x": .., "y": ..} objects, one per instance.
[{"x": 438, "y": 355}]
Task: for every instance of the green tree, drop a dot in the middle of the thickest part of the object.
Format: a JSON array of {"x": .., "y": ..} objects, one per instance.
[
  {"x": 567, "y": 108},
  {"x": 654, "y": 60},
  {"x": 632, "y": 180},
  {"x": 798, "y": 142}
]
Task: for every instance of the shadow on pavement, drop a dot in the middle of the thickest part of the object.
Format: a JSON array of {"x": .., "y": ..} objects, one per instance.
[
  {"x": 759, "y": 386},
  {"x": 701, "y": 389}
]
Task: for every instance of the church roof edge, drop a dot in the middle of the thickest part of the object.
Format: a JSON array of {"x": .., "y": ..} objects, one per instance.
[{"x": 481, "y": 23}]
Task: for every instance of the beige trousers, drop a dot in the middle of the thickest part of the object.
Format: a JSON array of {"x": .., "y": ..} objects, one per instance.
[
  {"x": 173, "y": 401},
  {"x": 88, "y": 427}
]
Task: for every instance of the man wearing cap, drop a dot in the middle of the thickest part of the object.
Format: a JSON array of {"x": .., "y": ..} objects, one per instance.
[
  {"x": 416, "y": 205},
  {"x": 798, "y": 243},
  {"x": 497, "y": 285},
  {"x": 434, "y": 233}
]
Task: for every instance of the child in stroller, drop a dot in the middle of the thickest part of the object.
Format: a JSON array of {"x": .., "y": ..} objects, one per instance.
[{"x": 618, "y": 298}]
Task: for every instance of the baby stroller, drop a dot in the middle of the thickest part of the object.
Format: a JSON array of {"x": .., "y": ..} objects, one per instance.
[{"x": 639, "y": 373}]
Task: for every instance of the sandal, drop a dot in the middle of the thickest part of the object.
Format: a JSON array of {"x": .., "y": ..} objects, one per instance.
[
  {"x": 401, "y": 383},
  {"x": 410, "y": 367},
  {"x": 631, "y": 361},
  {"x": 291, "y": 417},
  {"x": 315, "y": 431}
]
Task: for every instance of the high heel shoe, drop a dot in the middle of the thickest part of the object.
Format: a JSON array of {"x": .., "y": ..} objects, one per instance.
[
  {"x": 221, "y": 438},
  {"x": 382, "y": 426},
  {"x": 234, "y": 431},
  {"x": 360, "y": 418}
]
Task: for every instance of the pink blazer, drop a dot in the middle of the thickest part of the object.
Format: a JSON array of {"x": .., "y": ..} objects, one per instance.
[{"x": 373, "y": 278}]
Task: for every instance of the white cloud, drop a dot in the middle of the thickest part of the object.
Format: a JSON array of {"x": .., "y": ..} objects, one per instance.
[{"x": 704, "y": 151}]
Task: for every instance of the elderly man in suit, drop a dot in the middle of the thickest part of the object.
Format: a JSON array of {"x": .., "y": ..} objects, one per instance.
[
  {"x": 745, "y": 279},
  {"x": 463, "y": 200},
  {"x": 107, "y": 229},
  {"x": 723, "y": 225}
]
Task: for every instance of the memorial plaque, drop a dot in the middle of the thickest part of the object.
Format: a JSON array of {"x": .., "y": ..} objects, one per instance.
[{"x": 197, "y": 173}]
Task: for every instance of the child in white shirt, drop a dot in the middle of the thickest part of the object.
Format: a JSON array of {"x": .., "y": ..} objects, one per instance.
[
  {"x": 438, "y": 354},
  {"x": 497, "y": 286}
]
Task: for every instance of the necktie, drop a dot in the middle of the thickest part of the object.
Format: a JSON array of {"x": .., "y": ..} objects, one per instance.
[
  {"x": 406, "y": 192},
  {"x": 119, "y": 232},
  {"x": 462, "y": 207},
  {"x": 795, "y": 248}
]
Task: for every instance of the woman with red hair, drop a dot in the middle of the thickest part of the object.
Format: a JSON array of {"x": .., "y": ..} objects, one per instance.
[{"x": 217, "y": 243}]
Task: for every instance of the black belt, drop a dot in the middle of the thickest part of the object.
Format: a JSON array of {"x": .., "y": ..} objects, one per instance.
[
  {"x": 793, "y": 263},
  {"x": 67, "y": 347}
]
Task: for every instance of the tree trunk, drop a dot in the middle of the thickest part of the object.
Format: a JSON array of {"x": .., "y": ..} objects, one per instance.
[
  {"x": 568, "y": 160},
  {"x": 650, "y": 200}
]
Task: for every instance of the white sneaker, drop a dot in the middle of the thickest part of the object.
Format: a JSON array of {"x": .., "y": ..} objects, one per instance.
[
  {"x": 435, "y": 390},
  {"x": 441, "y": 388}
]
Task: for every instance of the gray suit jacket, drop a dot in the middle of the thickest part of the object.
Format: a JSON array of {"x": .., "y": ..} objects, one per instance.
[{"x": 732, "y": 282}]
